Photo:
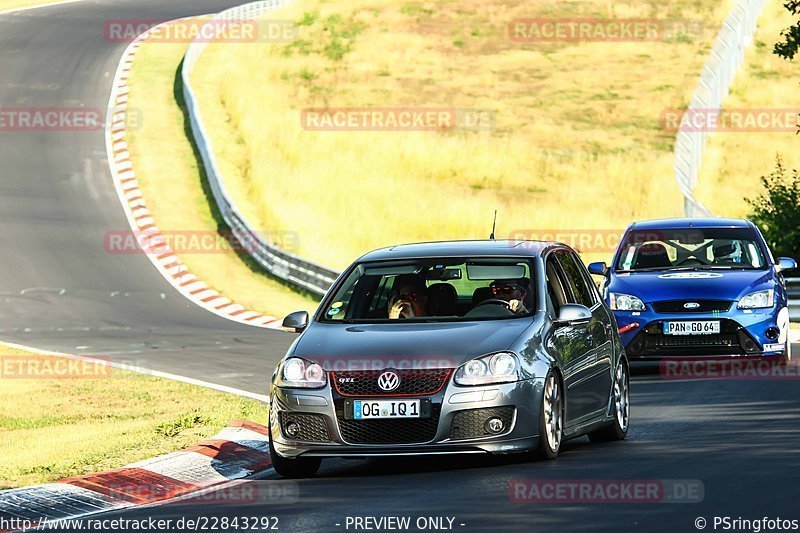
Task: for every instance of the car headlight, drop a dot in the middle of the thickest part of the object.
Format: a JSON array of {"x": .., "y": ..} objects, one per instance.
[
  {"x": 496, "y": 368},
  {"x": 758, "y": 300},
  {"x": 297, "y": 372},
  {"x": 625, "y": 302}
]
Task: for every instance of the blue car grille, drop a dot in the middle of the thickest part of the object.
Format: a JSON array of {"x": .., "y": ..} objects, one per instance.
[
  {"x": 694, "y": 306},
  {"x": 731, "y": 340}
]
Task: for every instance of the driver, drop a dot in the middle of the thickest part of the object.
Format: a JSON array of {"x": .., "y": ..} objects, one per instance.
[
  {"x": 727, "y": 252},
  {"x": 409, "y": 297},
  {"x": 512, "y": 291}
]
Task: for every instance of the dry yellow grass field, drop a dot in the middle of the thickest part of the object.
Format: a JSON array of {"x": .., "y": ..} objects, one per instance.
[
  {"x": 577, "y": 141},
  {"x": 6, "y": 5},
  {"x": 52, "y": 428},
  {"x": 734, "y": 161}
]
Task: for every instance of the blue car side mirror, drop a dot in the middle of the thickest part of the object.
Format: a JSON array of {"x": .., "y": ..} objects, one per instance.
[
  {"x": 599, "y": 268},
  {"x": 786, "y": 263}
]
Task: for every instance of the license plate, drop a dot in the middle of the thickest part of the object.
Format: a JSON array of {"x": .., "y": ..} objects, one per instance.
[
  {"x": 370, "y": 409},
  {"x": 692, "y": 327}
]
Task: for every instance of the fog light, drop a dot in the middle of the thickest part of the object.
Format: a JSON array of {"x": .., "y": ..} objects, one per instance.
[
  {"x": 773, "y": 333},
  {"x": 635, "y": 347},
  {"x": 292, "y": 429},
  {"x": 494, "y": 425}
]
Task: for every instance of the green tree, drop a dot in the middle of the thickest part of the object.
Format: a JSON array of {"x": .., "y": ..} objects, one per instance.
[
  {"x": 791, "y": 35},
  {"x": 776, "y": 211}
]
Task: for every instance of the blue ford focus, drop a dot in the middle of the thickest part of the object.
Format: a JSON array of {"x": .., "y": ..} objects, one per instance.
[{"x": 697, "y": 287}]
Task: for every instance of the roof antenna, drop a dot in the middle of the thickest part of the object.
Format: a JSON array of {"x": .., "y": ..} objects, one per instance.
[{"x": 494, "y": 225}]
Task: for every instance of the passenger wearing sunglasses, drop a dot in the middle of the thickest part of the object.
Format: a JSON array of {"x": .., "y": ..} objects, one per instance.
[
  {"x": 512, "y": 291},
  {"x": 409, "y": 297}
]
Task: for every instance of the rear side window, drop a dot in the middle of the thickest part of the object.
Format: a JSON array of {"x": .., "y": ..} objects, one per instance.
[{"x": 582, "y": 293}]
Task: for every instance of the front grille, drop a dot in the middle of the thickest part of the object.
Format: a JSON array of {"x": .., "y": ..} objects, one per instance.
[
  {"x": 398, "y": 431},
  {"x": 704, "y": 306},
  {"x": 412, "y": 382},
  {"x": 674, "y": 341},
  {"x": 731, "y": 340},
  {"x": 312, "y": 426},
  {"x": 471, "y": 423}
]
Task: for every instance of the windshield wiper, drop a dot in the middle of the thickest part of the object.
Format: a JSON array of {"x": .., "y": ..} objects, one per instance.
[
  {"x": 683, "y": 268},
  {"x": 655, "y": 269}
]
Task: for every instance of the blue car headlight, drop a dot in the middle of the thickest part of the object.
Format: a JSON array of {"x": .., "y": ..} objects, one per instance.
[
  {"x": 758, "y": 300},
  {"x": 496, "y": 368},
  {"x": 625, "y": 302},
  {"x": 300, "y": 373}
]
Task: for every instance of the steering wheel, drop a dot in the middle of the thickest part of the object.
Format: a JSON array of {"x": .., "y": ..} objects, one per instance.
[
  {"x": 493, "y": 301},
  {"x": 696, "y": 261}
]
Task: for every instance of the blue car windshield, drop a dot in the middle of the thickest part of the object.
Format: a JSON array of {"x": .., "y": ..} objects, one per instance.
[
  {"x": 433, "y": 290},
  {"x": 691, "y": 249}
]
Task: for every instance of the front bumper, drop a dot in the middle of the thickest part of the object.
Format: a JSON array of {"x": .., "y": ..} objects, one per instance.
[
  {"x": 757, "y": 332},
  {"x": 455, "y": 425}
]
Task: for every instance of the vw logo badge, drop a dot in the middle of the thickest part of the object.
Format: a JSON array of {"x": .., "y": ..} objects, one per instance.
[
  {"x": 691, "y": 305},
  {"x": 389, "y": 381}
]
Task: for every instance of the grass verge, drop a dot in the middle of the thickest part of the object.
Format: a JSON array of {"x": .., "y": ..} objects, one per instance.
[
  {"x": 175, "y": 186},
  {"x": 6, "y": 5},
  {"x": 98, "y": 418},
  {"x": 733, "y": 162},
  {"x": 576, "y": 144}
]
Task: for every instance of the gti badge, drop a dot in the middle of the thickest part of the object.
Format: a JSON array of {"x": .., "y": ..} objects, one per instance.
[
  {"x": 691, "y": 305},
  {"x": 388, "y": 381}
]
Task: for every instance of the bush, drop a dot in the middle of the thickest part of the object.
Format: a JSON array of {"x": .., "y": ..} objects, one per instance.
[{"x": 776, "y": 211}]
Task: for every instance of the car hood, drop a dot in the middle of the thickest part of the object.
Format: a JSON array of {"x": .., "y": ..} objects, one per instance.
[
  {"x": 419, "y": 345},
  {"x": 691, "y": 284}
]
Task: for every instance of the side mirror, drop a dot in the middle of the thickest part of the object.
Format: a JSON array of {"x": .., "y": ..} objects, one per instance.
[
  {"x": 599, "y": 268},
  {"x": 786, "y": 263},
  {"x": 574, "y": 314},
  {"x": 298, "y": 321}
]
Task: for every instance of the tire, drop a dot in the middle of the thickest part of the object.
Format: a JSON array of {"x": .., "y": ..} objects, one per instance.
[
  {"x": 786, "y": 358},
  {"x": 618, "y": 428},
  {"x": 551, "y": 417},
  {"x": 293, "y": 468}
]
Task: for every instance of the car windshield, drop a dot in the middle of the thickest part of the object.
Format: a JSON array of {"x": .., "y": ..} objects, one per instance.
[
  {"x": 690, "y": 249},
  {"x": 433, "y": 290}
]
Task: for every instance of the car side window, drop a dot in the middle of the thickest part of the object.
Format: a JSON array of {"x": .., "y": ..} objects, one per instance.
[
  {"x": 581, "y": 292},
  {"x": 555, "y": 287}
]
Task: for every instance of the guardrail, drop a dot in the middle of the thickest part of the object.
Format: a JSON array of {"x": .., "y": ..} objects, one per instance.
[
  {"x": 726, "y": 56},
  {"x": 717, "y": 76},
  {"x": 280, "y": 263},
  {"x": 793, "y": 287}
]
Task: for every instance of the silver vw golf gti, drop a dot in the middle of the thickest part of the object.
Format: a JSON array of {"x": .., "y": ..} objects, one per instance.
[{"x": 450, "y": 347}]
